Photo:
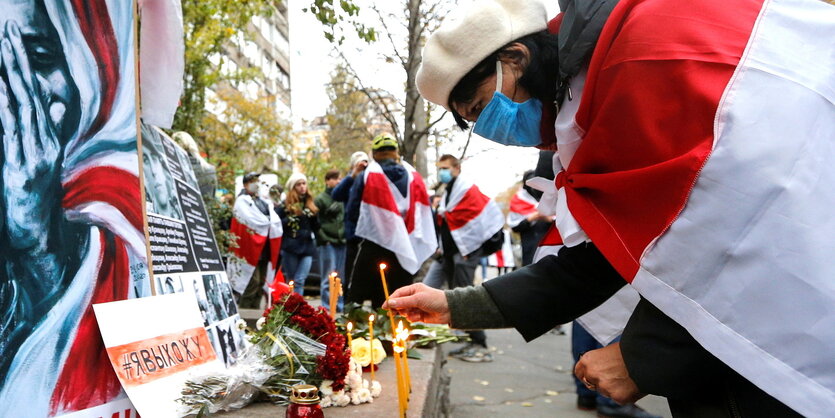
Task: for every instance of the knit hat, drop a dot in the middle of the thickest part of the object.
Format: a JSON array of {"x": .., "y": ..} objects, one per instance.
[
  {"x": 294, "y": 178},
  {"x": 357, "y": 157},
  {"x": 461, "y": 43}
]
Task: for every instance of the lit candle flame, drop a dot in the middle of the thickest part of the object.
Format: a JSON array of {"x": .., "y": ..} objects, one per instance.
[
  {"x": 371, "y": 318},
  {"x": 350, "y": 326},
  {"x": 383, "y": 266}
]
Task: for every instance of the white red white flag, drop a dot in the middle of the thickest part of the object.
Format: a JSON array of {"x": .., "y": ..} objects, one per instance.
[
  {"x": 705, "y": 177},
  {"x": 472, "y": 217},
  {"x": 400, "y": 224},
  {"x": 253, "y": 229},
  {"x": 522, "y": 204},
  {"x": 503, "y": 257}
]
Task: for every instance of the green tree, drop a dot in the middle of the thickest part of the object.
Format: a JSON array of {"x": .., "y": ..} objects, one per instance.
[
  {"x": 346, "y": 115},
  {"x": 244, "y": 135},
  {"x": 210, "y": 26}
]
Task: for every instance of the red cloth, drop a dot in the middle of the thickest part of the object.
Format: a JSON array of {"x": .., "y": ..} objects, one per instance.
[{"x": 647, "y": 110}]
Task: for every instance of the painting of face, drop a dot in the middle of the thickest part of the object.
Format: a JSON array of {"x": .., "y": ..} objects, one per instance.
[
  {"x": 71, "y": 224},
  {"x": 26, "y": 24}
]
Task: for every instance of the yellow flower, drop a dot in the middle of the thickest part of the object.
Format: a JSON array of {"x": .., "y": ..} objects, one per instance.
[{"x": 361, "y": 353}]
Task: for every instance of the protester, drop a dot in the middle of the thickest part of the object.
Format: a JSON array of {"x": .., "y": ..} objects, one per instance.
[
  {"x": 387, "y": 220},
  {"x": 351, "y": 207},
  {"x": 467, "y": 220},
  {"x": 330, "y": 237},
  {"x": 524, "y": 219},
  {"x": 674, "y": 155},
  {"x": 299, "y": 218},
  {"x": 259, "y": 232},
  {"x": 504, "y": 260}
]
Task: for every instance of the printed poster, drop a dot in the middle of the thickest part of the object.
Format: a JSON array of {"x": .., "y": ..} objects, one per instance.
[
  {"x": 155, "y": 344},
  {"x": 185, "y": 255}
]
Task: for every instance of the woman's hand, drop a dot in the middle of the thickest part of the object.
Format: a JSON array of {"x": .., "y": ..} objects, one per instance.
[
  {"x": 604, "y": 370},
  {"x": 420, "y": 303},
  {"x": 30, "y": 149}
]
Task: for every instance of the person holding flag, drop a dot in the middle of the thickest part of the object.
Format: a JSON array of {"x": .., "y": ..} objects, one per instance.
[
  {"x": 467, "y": 220},
  {"x": 695, "y": 164},
  {"x": 259, "y": 232},
  {"x": 524, "y": 219},
  {"x": 393, "y": 223}
]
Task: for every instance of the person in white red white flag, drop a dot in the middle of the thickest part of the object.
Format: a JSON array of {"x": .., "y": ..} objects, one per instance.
[
  {"x": 468, "y": 220},
  {"x": 503, "y": 259},
  {"x": 259, "y": 232},
  {"x": 394, "y": 224},
  {"x": 698, "y": 165},
  {"x": 524, "y": 219}
]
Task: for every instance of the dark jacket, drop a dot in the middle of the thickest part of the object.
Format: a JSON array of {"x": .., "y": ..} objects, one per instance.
[
  {"x": 331, "y": 219},
  {"x": 661, "y": 356},
  {"x": 298, "y": 231},
  {"x": 349, "y": 191}
]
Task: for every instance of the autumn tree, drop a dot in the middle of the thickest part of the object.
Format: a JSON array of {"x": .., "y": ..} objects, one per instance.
[
  {"x": 412, "y": 120},
  {"x": 250, "y": 143},
  {"x": 346, "y": 116}
]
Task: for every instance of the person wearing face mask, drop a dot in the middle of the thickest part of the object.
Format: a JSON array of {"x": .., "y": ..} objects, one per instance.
[
  {"x": 674, "y": 175},
  {"x": 259, "y": 231},
  {"x": 300, "y": 221},
  {"x": 467, "y": 219}
]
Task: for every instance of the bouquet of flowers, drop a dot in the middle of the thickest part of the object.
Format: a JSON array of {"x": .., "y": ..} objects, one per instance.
[{"x": 293, "y": 343}]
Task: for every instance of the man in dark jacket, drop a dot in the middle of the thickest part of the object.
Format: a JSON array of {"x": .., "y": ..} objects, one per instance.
[
  {"x": 364, "y": 256},
  {"x": 331, "y": 236}
]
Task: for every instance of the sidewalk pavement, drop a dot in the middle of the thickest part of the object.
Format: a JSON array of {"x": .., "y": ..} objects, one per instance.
[{"x": 524, "y": 380}]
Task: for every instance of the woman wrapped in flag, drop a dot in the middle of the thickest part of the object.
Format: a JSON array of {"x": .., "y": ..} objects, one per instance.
[{"x": 695, "y": 143}]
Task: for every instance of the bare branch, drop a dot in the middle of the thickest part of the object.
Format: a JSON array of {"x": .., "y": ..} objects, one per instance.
[
  {"x": 388, "y": 35},
  {"x": 376, "y": 99}
]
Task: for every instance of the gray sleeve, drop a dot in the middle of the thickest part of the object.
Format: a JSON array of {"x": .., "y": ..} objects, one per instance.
[{"x": 473, "y": 308}]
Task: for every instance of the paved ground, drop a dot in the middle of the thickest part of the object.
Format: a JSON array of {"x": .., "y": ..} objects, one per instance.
[{"x": 524, "y": 380}]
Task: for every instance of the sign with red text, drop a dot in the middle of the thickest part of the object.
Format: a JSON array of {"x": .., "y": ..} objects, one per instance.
[{"x": 154, "y": 344}]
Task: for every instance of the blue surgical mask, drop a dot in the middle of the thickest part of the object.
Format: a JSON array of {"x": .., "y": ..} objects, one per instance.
[
  {"x": 507, "y": 122},
  {"x": 445, "y": 175}
]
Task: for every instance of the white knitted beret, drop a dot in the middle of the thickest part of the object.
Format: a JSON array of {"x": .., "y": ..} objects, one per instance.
[
  {"x": 357, "y": 157},
  {"x": 461, "y": 43},
  {"x": 294, "y": 178}
]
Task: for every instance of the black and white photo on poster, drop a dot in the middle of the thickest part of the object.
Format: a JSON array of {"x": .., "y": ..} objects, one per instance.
[
  {"x": 167, "y": 285},
  {"x": 227, "y": 339},
  {"x": 160, "y": 192}
]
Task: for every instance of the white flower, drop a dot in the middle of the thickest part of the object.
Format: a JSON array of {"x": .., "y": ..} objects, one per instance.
[
  {"x": 241, "y": 324},
  {"x": 342, "y": 399},
  {"x": 354, "y": 381},
  {"x": 376, "y": 388},
  {"x": 364, "y": 384},
  {"x": 355, "y": 398},
  {"x": 326, "y": 402},
  {"x": 260, "y": 323},
  {"x": 325, "y": 388},
  {"x": 365, "y": 395}
]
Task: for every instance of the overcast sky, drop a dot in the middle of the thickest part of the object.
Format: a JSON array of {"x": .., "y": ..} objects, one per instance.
[{"x": 494, "y": 167}]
